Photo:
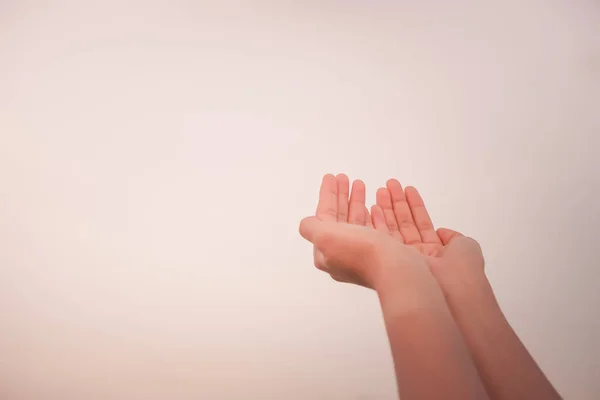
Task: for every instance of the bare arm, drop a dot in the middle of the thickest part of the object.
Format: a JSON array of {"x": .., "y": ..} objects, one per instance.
[
  {"x": 431, "y": 358},
  {"x": 506, "y": 367}
]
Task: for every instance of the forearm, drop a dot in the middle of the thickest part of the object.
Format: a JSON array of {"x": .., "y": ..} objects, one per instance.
[
  {"x": 430, "y": 355},
  {"x": 504, "y": 364}
]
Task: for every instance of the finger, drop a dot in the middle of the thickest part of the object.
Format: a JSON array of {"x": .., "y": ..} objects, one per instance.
[
  {"x": 368, "y": 218},
  {"x": 378, "y": 218},
  {"x": 384, "y": 201},
  {"x": 310, "y": 228},
  {"x": 421, "y": 216},
  {"x": 404, "y": 218},
  {"x": 327, "y": 209},
  {"x": 334, "y": 239},
  {"x": 345, "y": 248},
  {"x": 319, "y": 259},
  {"x": 356, "y": 206},
  {"x": 343, "y": 185},
  {"x": 447, "y": 235}
]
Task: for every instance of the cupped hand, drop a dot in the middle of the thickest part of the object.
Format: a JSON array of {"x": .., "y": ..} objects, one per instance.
[
  {"x": 345, "y": 244},
  {"x": 454, "y": 259}
]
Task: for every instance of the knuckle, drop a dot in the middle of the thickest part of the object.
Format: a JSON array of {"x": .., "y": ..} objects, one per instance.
[
  {"x": 319, "y": 261},
  {"x": 327, "y": 260},
  {"x": 355, "y": 219},
  {"x": 320, "y": 265},
  {"x": 406, "y": 224},
  {"x": 331, "y": 211},
  {"x": 426, "y": 226},
  {"x": 392, "y": 226}
]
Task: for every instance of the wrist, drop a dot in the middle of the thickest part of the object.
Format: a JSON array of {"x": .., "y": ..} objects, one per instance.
[
  {"x": 462, "y": 283},
  {"x": 476, "y": 290},
  {"x": 473, "y": 301},
  {"x": 408, "y": 288},
  {"x": 394, "y": 264}
]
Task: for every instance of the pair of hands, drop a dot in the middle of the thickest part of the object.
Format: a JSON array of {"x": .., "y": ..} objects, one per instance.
[{"x": 359, "y": 246}]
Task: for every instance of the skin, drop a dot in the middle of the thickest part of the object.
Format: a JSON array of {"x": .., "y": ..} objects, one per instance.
[
  {"x": 504, "y": 364},
  {"x": 430, "y": 355},
  {"x": 457, "y": 264}
]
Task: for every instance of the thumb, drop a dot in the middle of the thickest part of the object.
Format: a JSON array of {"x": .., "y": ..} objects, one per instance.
[
  {"x": 309, "y": 228},
  {"x": 464, "y": 248},
  {"x": 464, "y": 242},
  {"x": 346, "y": 251},
  {"x": 331, "y": 237},
  {"x": 447, "y": 235}
]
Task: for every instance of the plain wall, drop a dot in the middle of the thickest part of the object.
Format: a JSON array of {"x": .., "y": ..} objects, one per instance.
[{"x": 156, "y": 158}]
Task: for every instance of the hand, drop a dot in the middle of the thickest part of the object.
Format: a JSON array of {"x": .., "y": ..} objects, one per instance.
[
  {"x": 455, "y": 260},
  {"x": 346, "y": 245},
  {"x": 401, "y": 215},
  {"x": 504, "y": 365}
]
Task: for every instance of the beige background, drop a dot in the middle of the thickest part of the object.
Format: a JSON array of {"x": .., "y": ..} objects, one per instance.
[{"x": 156, "y": 157}]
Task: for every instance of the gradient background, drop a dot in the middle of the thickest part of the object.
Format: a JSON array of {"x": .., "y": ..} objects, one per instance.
[{"x": 156, "y": 158}]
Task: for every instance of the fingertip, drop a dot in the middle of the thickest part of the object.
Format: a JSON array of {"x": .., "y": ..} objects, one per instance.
[
  {"x": 342, "y": 178},
  {"x": 393, "y": 183},
  {"x": 377, "y": 211},
  {"x": 359, "y": 191},
  {"x": 382, "y": 196},
  {"x": 328, "y": 177},
  {"x": 358, "y": 184},
  {"x": 378, "y": 218},
  {"x": 307, "y": 226},
  {"x": 446, "y": 235},
  {"x": 319, "y": 259},
  {"x": 356, "y": 206},
  {"x": 329, "y": 183},
  {"x": 413, "y": 196}
]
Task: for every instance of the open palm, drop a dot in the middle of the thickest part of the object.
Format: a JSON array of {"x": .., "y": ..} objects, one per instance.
[
  {"x": 398, "y": 212},
  {"x": 403, "y": 214}
]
